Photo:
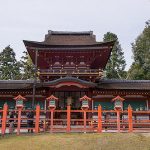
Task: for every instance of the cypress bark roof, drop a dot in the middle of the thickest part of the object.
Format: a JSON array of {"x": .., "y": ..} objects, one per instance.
[
  {"x": 103, "y": 84},
  {"x": 124, "y": 84},
  {"x": 69, "y": 38}
]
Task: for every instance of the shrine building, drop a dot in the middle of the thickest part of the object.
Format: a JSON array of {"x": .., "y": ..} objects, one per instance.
[{"x": 70, "y": 65}]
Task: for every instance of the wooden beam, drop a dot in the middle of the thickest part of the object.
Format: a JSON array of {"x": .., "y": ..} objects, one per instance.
[
  {"x": 52, "y": 120},
  {"x": 130, "y": 119},
  {"x": 4, "y": 119},
  {"x": 118, "y": 120},
  {"x": 99, "y": 130},
  {"x": 84, "y": 120},
  {"x": 37, "y": 119},
  {"x": 68, "y": 118},
  {"x": 19, "y": 120}
]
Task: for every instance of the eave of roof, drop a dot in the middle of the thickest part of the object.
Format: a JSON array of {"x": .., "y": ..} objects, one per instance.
[
  {"x": 16, "y": 84},
  {"x": 34, "y": 44},
  {"x": 124, "y": 84}
]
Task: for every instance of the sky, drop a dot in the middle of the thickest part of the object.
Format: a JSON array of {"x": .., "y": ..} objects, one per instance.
[{"x": 31, "y": 20}]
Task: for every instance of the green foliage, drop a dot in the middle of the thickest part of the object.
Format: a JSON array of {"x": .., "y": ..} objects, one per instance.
[
  {"x": 115, "y": 68},
  {"x": 9, "y": 66},
  {"x": 27, "y": 66},
  {"x": 140, "y": 68}
]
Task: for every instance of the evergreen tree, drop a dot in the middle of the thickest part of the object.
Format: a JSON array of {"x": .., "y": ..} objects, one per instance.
[
  {"x": 140, "y": 69},
  {"x": 27, "y": 66},
  {"x": 9, "y": 66},
  {"x": 115, "y": 68}
]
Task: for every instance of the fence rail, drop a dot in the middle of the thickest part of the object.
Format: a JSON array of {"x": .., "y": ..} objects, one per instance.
[{"x": 74, "y": 120}]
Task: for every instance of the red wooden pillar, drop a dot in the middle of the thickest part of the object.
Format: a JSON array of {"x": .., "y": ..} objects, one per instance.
[
  {"x": 84, "y": 120},
  {"x": 99, "y": 119},
  {"x": 19, "y": 120},
  {"x": 130, "y": 119},
  {"x": 4, "y": 119},
  {"x": 52, "y": 120},
  {"x": 37, "y": 119},
  {"x": 68, "y": 118},
  {"x": 118, "y": 120}
]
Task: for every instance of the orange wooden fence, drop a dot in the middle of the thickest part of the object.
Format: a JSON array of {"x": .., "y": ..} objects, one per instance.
[{"x": 87, "y": 121}]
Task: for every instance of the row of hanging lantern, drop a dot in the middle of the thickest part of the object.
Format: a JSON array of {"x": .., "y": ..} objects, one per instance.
[{"x": 118, "y": 102}]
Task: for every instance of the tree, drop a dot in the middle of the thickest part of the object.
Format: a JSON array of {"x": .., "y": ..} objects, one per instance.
[
  {"x": 115, "y": 68},
  {"x": 140, "y": 69},
  {"x": 9, "y": 66},
  {"x": 27, "y": 66}
]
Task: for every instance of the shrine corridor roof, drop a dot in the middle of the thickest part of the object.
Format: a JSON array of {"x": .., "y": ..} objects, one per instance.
[{"x": 102, "y": 84}]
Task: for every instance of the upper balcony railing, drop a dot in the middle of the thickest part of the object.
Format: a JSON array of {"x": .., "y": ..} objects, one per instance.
[{"x": 72, "y": 72}]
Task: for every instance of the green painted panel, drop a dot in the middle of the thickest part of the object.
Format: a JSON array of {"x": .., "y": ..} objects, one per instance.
[
  {"x": 105, "y": 105},
  {"x": 41, "y": 103},
  {"x": 136, "y": 105},
  {"x": 28, "y": 104},
  {"x": 11, "y": 103}
]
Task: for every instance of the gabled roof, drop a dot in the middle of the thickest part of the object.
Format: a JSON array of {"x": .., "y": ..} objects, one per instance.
[
  {"x": 19, "y": 97},
  {"x": 68, "y": 81},
  {"x": 85, "y": 98},
  {"x": 118, "y": 98},
  {"x": 69, "y": 38},
  {"x": 52, "y": 97}
]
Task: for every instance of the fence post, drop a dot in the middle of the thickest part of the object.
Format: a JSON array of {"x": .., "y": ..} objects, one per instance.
[
  {"x": 68, "y": 118},
  {"x": 52, "y": 120},
  {"x": 130, "y": 118},
  {"x": 118, "y": 120},
  {"x": 84, "y": 120},
  {"x": 99, "y": 119},
  {"x": 4, "y": 119},
  {"x": 37, "y": 120},
  {"x": 19, "y": 120}
]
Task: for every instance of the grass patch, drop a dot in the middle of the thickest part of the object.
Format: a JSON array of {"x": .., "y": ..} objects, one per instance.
[{"x": 76, "y": 141}]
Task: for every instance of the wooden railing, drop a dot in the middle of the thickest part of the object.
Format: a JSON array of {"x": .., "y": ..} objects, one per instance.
[
  {"x": 81, "y": 72},
  {"x": 87, "y": 121}
]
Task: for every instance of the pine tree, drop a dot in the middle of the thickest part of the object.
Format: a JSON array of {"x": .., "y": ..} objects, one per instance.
[
  {"x": 140, "y": 69},
  {"x": 27, "y": 66},
  {"x": 9, "y": 66},
  {"x": 115, "y": 68}
]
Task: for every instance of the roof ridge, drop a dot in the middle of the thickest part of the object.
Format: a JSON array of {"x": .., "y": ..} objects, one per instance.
[{"x": 70, "y": 32}]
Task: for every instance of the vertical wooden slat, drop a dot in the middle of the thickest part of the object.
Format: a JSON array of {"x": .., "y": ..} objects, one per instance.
[
  {"x": 118, "y": 120},
  {"x": 37, "y": 119},
  {"x": 19, "y": 120},
  {"x": 84, "y": 120},
  {"x": 52, "y": 120},
  {"x": 99, "y": 130},
  {"x": 68, "y": 118},
  {"x": 4, "y": 119},
  {"x": 130, "y": 119}
]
